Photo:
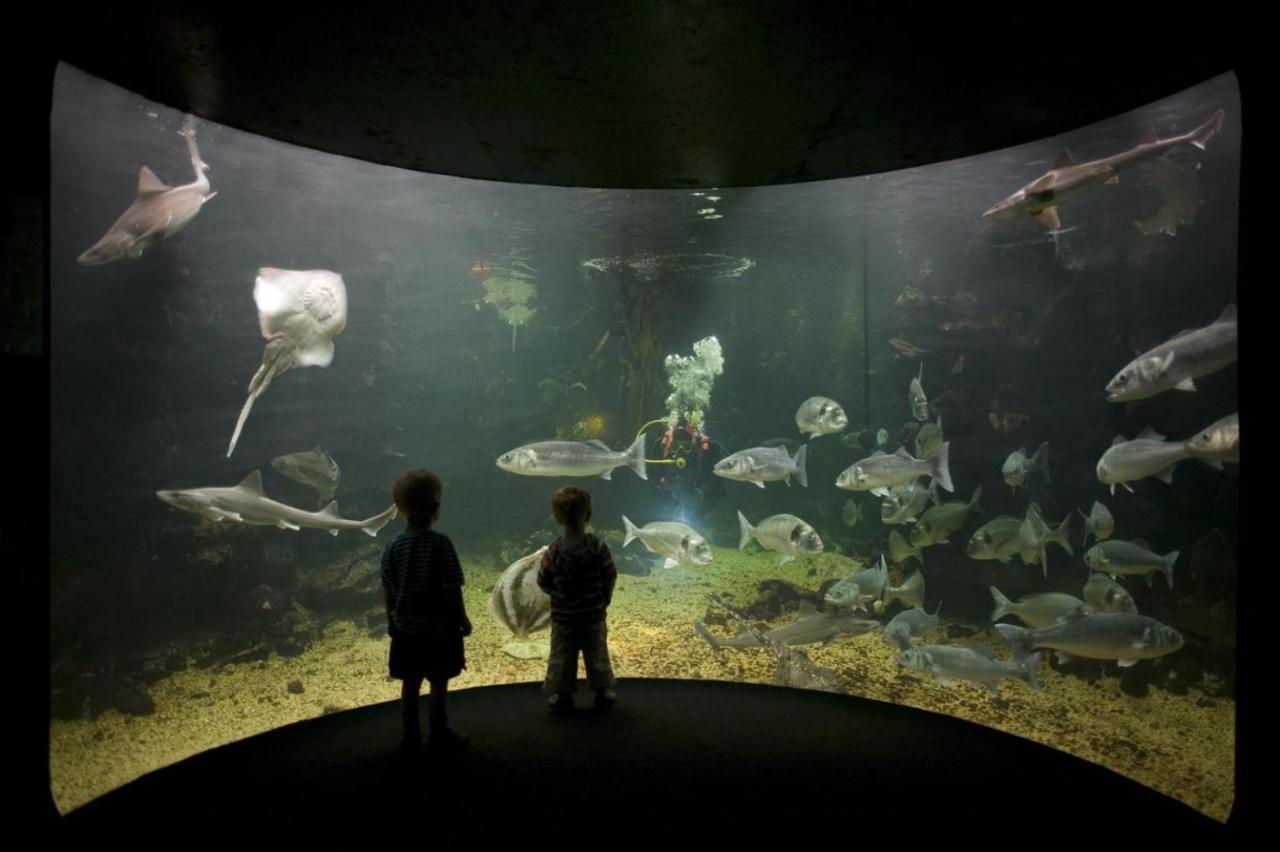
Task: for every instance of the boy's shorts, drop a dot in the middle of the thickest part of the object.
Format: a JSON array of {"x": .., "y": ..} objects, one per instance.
[{"x": 428, "y": 657}]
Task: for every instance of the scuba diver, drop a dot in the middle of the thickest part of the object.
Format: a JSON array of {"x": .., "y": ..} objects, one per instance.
[{"x": 687, "y": 481}]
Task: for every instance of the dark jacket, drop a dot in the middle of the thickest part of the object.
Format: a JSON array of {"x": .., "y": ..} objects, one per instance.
[{"x": 579, "y": 578}]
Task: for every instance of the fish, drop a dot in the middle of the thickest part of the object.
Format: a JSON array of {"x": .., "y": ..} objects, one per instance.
[
  {"x": 1218, "y": 443},
  {"x": 938, "y": 523},
  {"x": 809, "y": 628},
  {"x": 785, "y": 534},
  {"x": 858, "y": 590},
  {"x": 929, "y": 439},
  {"x": 157, "y": 210},
  {"x": 1041, "y": 610},
  {"x": 997, "y": 539},
  {"x": 900, "y": 551},
  {"x": 1067, "y": 179},
  {"x": 852, "y": 513},
  {"x": 1017, "y": 466},
  {"x": 904, "y": 504},
  {"x": 1119, "y": 636},
  {"x": 1149, "y": 454},
  {"x": 880, "y": 471},
  {"x": 909, "y": 624},
  {"x": 247, "y": 504},
  {"x": 915, "y": 395},
  {"x": 680, "y": 544},
  {"x": 906, "y": 348},
  {"x": 882, "y": 438},
  {"x": 573, "y": 458},
  {"x": 910, "y": 593},
  {"x": 1106, "y": 595},
  {"x": 1130, "y": 557},
  {"x": 818, "y": 416},
  {"x": 299, "y": 314},
  {"x": 763, "y": 464},
  {"x": 1186, "y": 356},
  {"x": 1035, "y": 534},
  {"x": 518, "y": 604},
  {"x": 315, "y": 468},
  {"x": 977, "y": 664},
  {"x": 1097, "y": 523}
]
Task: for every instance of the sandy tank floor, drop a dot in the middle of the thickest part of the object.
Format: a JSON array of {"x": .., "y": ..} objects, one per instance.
[{"x": 1168, "y": 742}]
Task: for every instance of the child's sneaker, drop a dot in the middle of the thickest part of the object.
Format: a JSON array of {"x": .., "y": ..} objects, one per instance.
[
  {"x": 605, "y": 699},
  {"x": 560, "y": 703}
]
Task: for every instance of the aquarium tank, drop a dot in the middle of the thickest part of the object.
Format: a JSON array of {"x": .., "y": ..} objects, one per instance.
[{"x": 961, "y": 437}]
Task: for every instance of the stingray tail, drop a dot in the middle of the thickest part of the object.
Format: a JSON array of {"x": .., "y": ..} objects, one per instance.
[{"x": 278, "y": 356}]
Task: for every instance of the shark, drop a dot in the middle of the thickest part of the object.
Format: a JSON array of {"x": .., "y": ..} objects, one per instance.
[
  {"x": 811, "y": 627},
  {"x": 1067, "y": 178},
  {"x": 247, "y": 504},
  {"x": 157, "y": 211}
]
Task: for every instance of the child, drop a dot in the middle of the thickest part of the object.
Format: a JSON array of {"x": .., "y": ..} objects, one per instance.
[
  {"x": 422, "y": 590},
  {"x": 577, "y": 572}
]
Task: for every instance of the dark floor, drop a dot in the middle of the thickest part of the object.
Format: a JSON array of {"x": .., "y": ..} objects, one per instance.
[{"x": 673, "y": 761}]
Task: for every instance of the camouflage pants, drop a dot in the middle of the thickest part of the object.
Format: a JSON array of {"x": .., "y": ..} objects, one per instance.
[{"x": 562, "y": 666}]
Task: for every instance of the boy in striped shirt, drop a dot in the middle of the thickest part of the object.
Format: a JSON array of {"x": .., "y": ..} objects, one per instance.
[{"x": 422, "y": 590}]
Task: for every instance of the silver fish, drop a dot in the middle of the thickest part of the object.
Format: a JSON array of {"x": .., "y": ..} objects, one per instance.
[
  {"x": 1187, "y": 355},
  {"x": 880, "y": 471},
  {"x": 1218, "y": 443},
  {"x": 1106, "y": 595},
  {"x": 763, "y": 464},
  {"x": 1116, "y": 636},
  {"x": 1035, "y": 534},
  {"x": 573, "y": 458},
  {"x": 910, "y": 624},
  {"x": 1130, "y": 557},
  {"x": 900, "y": 550},
  {"x": 911, "y": 592},
  {"x": 929, "y": 439},
  {"x": 315, "y": 468},
  {"x": 996, "y": 539},
  {"x": 818, "y": 416},
  {"x": 677, "y": 542},
  {"x": 1041, "y": 610},
  {"x": 1097, "y": 523},
  {"x": 809, "y": 628},
  {"x": 1149, "y": 454},
  {"x": 915, "y": 395},
  {"x": 1017, "y": 466},
  {"x": 858, "y": 590},
  {"x": 937, "y": 524},
  {"x": 785, "y": 534},
  {"x": 904, "y": 504},
  {"x": 976, "y": 664}
]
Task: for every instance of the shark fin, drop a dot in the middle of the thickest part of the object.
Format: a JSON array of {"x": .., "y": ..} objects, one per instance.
[
  {"x": 1124, "y": 664},
  {"x": 253, "y": 482},
  {"x": 1064, "y": 160},
  {"x": 1150, "y": 434},
  {"x": 219, "y": 514},
  {"x": 608, "y": 474},
  {"x": 1049, "y": 218},
  {"x": 761, "y": 484},
  {"x": 1228, "y": 313},
  {"x": 1149, "y": 137},
  {"x": 285, "y": 525},
  {"x": 149, "y": 183},
  {"x": 1114, "y": 179},
  {"x": 1186, "y": 385},
  {"x": 333, "y": 532},
  {"x": 330, "y": 511}
]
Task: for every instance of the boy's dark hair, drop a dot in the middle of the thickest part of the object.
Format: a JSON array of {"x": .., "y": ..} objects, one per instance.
[
  {"x": 571, "y": 506},
  {"x": 417, "y": 494}
]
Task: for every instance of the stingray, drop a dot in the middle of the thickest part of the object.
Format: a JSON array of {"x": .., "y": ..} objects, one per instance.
[
  {"x": 518, "y": 604},
  {"x": 299, "y": 313}
]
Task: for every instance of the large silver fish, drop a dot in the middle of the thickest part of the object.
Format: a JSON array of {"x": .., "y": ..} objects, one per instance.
[
  {"x": 1042, "y": 610},
  {"x": 809, "y": 628},
  {"x": 759, "y": 465},
  {"x": 818, "y": 416},
  {"x": 996, "y": 539},
  {"x": 1217, "y": 443},
  {"x": 858, "y": 590},
  {"x": 680, "y": 544},
  {"x": 880, "y": 471},
  {"x": 573, "y": 458},
  {"x": 938, "y": 523},
  {"x": 1116, "y": 636},
  {"x": 1187, "y": 355},
  {"x": 785, "y": 534},
  {"x": 1149, "y": 454},
  {"x": 977, "y": 664},
  {"x": 1130, "y": 557}
]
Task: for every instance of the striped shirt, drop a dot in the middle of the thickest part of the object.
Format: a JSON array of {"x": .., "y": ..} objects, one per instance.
[
  {"x": 420, "y": 571},
  {"x": 579, "y": 578}
]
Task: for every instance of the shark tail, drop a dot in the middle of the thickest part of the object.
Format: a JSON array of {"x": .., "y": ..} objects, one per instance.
[
  {"x": 745, "y": 529},
  {"x": 377, "y": 522},
  {"x": 1204, "y": 132},
  {"x": 701, "y": 630},
  {"x": 635, "y": 455}
]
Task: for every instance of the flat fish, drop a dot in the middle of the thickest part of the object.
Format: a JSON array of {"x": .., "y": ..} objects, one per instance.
[{"x": 518, "y": 604}]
